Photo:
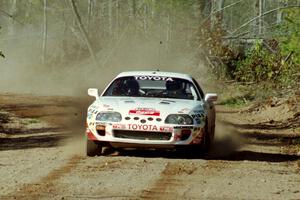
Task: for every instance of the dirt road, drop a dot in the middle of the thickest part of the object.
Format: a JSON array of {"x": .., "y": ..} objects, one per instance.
[{"x": 42, "y": 157}]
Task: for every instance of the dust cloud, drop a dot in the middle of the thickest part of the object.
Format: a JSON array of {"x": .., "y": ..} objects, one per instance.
[
  {"x": 22, "y": 72},
  {"x": 226, "y": 142}
]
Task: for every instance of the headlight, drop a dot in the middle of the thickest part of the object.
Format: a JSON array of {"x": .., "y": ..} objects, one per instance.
[
  {"x": 179, "y": 119},
  {"x": 109, "y": 117}
]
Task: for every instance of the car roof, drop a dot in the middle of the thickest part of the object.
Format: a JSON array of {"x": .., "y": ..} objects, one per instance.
[{"x": 155, "y": 73}]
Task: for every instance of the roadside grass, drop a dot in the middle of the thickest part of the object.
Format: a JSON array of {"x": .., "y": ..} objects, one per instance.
[
  {"x": 4, "y": 118},
  {"x": 234, "y": 102},
  {"x": 238, "y": 95},
  {"x": 30, "y": 121}
]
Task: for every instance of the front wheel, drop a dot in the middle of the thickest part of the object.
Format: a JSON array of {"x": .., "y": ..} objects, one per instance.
[
  {"x": 93, "y": 148},
  {"x": 206, "y": 143},
  {"x": 208, "y": 139}
]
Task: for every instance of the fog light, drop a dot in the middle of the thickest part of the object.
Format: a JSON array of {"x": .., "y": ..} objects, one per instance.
[
  {"x": 185, "y": 134},
  {"x": 100, "y": 130}
]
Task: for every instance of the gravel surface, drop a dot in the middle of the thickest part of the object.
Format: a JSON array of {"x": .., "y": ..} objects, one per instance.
[{"x": 52, "y": 165}]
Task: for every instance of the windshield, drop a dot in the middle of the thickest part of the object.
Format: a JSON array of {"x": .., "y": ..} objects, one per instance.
[{"x": 152, "y": 86}]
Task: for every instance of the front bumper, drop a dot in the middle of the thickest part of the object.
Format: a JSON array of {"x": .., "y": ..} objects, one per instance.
[{"x": 146, "y": 134}]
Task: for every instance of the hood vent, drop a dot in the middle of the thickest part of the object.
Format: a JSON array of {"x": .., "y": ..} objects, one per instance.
[
  {"x": 167, "y": 102},
  {"x": 129, "y": 101}
]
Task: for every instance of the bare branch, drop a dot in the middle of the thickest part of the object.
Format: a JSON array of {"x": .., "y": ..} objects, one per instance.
[
  {"x": 216, "y": 11},
  {"x": 83, "y": 31},
  {"x": 263, "y": 14},
  {"x": 10, "y": 16}
]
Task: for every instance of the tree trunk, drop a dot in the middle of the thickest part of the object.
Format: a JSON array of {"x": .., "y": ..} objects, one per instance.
[
  {"x": 110, "y": 18},
  {"x": 117, "y": 19},
  {"x": 90, "y": 10},
  {"x": 220, "y": 6},
  {"x": 45, "y": 33},
  {"x": 132, "y": 9},
  {"x": 260, "y": 20},
  {"x": 212, "y": 13},
  {"x": 279, "y": 13},
  {"x": 145, "y": 19},
  {"x": 216, "y": 15},
  {"x": 259, "y": 9},
  {"x": 13, "y": 10},
  {"x": 83, "y": 31}
]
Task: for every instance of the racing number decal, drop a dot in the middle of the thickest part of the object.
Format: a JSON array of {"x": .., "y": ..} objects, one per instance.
[{"x": 145, "y": 111}]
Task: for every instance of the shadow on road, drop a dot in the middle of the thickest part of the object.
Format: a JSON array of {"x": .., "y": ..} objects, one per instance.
[
  {"x": 255, "y": 156},
  {"x": 233, "y": 156},
  {"x": 36, "y": 141}
]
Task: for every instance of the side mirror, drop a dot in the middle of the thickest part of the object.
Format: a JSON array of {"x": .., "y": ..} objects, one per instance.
[
  {"x": 210, "y": 97},
  {"x": 93, "y": 92}
]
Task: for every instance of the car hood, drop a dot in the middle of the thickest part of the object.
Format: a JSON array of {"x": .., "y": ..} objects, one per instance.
[{"x": 147, "y": 106}]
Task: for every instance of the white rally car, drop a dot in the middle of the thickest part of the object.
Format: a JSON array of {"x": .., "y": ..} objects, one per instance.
[{"x": 150, "y": 109}]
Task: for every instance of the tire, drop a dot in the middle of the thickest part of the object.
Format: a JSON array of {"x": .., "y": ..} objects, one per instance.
[
  {"x": 207, "y": 142},
  {"x": 190, "y": 151},
  {"x": 92, "y": 148}
]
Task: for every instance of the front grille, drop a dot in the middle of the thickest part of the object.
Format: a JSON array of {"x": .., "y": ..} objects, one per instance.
[{"x": 142, "y": 135}]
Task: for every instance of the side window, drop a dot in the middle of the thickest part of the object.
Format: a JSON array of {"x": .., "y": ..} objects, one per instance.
[
  {"x": 199, "y": 88},
  {"x": 115, "y": 89}
]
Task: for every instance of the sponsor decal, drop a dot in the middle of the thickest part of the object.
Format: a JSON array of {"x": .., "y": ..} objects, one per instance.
[
  {"x": 119, "y": 126},
  {"x": 198, "y": 115},
  {"x": 166, "y": 129},
  {"x": 145, "y": 111},
  {"x": 92, "y": 111},
  {"x": 154, "y": 78},
  {"x": 143, "y": 127}
]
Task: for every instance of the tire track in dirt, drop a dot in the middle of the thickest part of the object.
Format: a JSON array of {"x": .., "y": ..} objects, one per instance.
[
  {"x": 179, "y": 177},
  {"x": 46, "y": 186},
  {"x": 169, "y": 181}
]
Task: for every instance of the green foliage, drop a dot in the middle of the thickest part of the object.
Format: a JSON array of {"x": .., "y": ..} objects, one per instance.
[
  {"x": 221, "y": 56},
  {"x": 30, "y": 121},
  {"x": 234, "y": 102},
  {"x": 258, "y": 65},
  {"x": 290, "y": 34},
  {"x": 275, "y": 61},
  {"x": 280, "y": 66},
  {"x": 261, "y": 65}
]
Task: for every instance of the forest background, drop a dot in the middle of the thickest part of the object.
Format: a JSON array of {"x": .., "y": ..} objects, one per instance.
[{"x": 50, "y": 46}]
